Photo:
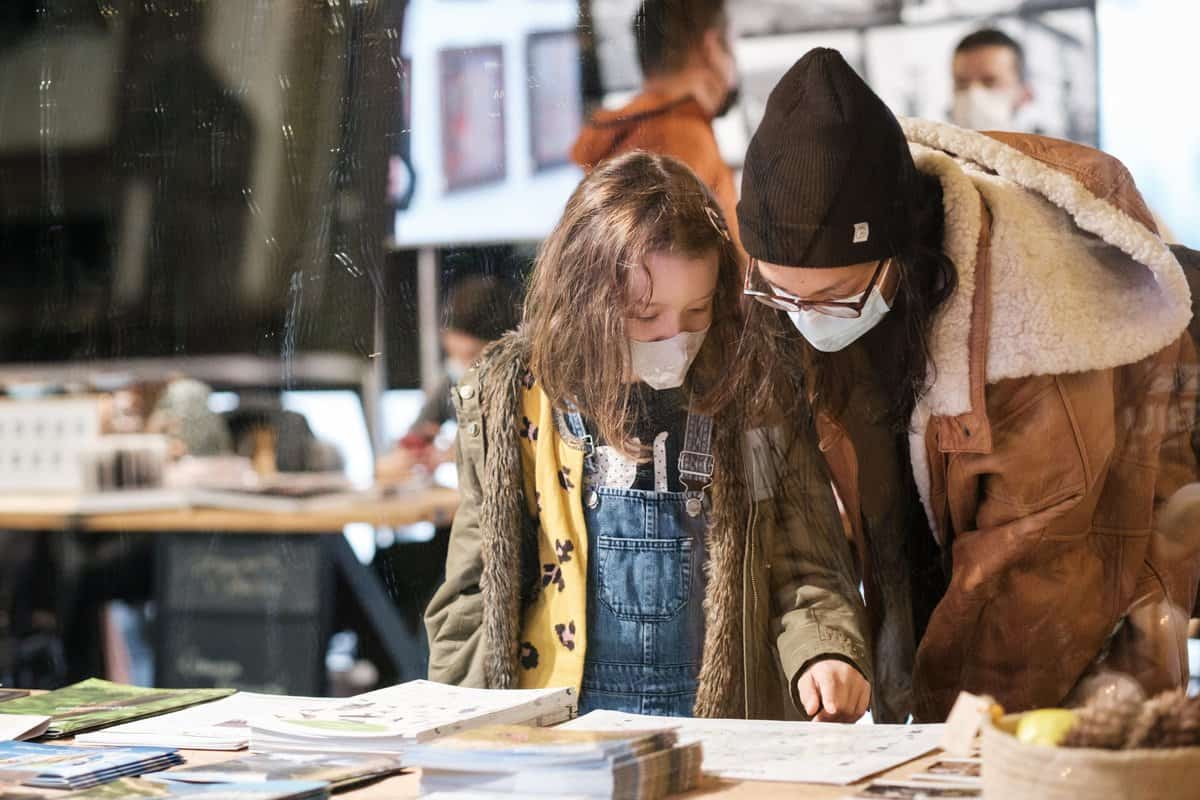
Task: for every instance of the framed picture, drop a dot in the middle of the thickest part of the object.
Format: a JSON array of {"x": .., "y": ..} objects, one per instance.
[
  {"x": 473, "y": 137},
  {"x": 555, "y": 97}
]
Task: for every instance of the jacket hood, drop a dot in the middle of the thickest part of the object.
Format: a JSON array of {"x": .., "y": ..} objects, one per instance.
[
  {"x": 602, "y": 136},
  {"x": 1080, "y": 279}
]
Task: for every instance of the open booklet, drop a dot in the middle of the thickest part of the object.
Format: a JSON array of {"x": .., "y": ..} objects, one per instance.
[
  {"x": 794, "y": 752},
  {"x": 220, "y": 725},
  {"x": 389, "y": 720}
]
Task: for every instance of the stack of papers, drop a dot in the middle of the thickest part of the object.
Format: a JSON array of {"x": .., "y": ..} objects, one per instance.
[
  {"x": 520, "y": 760},
  {"x": 388, "y": 721},
  {"x": 49, "y": 766},
  {"x": 793, "y": 752},
  {"x": 269, "y": 790},
  {"x": 339, "y": 771},
  {"x": 220, "y": 725},
  {"x": 96, "y": 704}
]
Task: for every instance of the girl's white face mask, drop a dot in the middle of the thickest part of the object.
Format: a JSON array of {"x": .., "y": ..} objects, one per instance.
[
  {"x": 664, "y": 364},
  {"x": 830, "y": 334}
]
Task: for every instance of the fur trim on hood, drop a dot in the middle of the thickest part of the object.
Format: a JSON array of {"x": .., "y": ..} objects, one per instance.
[{"x": 1078, "y": 284}]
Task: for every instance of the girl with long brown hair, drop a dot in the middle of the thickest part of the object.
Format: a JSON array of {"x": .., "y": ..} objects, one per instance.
[{"x": 625, "y": 529}]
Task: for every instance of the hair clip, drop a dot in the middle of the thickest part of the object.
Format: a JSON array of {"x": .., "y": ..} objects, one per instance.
[{"x": 717, "y": 221}]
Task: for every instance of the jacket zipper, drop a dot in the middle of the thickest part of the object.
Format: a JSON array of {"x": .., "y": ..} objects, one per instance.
[{"x": 748, "y": 554}]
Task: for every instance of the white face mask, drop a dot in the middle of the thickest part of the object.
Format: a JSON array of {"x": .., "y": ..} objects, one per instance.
[
  {"x": 983, "y": 109},
  {"x": 664, "y": 364},
  {"x": 830, "y": 334}
]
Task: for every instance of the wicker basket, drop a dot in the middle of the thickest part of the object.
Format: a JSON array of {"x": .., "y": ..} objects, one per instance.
[{"x": 1016, "y": 771}]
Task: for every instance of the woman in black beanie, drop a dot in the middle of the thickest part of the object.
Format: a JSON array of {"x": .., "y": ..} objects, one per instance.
[{"x": 989, "y": 335}]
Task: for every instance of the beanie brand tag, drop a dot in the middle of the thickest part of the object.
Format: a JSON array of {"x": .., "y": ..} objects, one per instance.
[{"x": 862, "y": 232}]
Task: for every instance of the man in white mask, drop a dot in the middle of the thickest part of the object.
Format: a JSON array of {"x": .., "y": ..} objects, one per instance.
[{"x": 991, "y": 86}]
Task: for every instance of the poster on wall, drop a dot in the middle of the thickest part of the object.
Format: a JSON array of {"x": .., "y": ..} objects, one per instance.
[
  {"x": 555, "y": 97},
  {"x": 473, "y": 140},
  {"x": 909, "y": 66}
]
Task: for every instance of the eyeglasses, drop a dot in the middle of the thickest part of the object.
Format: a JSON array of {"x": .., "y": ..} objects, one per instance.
[{"x": 780, "y": 300}]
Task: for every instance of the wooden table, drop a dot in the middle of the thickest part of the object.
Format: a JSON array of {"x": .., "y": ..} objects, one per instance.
[
  {"x": 435, "y": 505},
  {"x": 229, "y": 583},
  {"x": 404, "y": 786}
]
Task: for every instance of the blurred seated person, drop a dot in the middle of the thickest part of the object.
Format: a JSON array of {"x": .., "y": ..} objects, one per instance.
[
  {"x": 178, "y": 408},
  {"x": 479, "y": 309}
]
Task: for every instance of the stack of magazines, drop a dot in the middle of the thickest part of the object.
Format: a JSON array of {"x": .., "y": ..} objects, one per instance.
[
  {"x": 61, "y": 767},
  {"x": 519, "y": 760},
  {"x": 134, "y": 789},
  {"x": 339, "y": 771},
  {"x": 389, "y": 721},
  {"x": 96, "y": 703}
]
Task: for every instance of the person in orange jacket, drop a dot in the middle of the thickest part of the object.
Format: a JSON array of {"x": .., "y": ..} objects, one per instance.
[{"x": 690, "y": 78}]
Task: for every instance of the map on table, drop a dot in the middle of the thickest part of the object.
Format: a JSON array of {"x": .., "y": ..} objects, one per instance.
[{"x": 793, "y": 752}]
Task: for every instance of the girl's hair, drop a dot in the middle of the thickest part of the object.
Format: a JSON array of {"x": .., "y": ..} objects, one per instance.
[
  {"x": 781, "y": 375},
  {"x": 579, "y": 295}
]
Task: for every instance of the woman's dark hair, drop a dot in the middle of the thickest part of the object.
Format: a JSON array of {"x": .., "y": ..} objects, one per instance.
[{"x": 788, "y": 376}]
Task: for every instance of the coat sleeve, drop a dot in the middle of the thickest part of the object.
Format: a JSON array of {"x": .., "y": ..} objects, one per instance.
[
  {"x": 817, "y": 612},
  {"x": 454, "y": 618},
  {"x": 1053, "y": 527}
]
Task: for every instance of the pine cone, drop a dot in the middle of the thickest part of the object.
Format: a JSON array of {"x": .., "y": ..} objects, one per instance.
[
  {"x": 1169, "y": 720},
  {"x": 1159, "y": 722},
  {"x": 1104, "y": 723}
]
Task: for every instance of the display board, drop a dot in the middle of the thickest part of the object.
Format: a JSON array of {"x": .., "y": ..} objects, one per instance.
[{"x": 495, "y": 104}]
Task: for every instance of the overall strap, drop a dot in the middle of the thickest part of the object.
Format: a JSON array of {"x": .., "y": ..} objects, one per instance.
[{"x": 696, "y": 461}]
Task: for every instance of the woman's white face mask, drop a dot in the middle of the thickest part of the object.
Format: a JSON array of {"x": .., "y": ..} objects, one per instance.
[
  {"x": 830, "y": 334},
  {"x": 665, "y": 364}
]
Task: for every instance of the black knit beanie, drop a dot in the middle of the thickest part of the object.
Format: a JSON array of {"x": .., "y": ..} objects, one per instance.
[{"x": 828, "y": 179}]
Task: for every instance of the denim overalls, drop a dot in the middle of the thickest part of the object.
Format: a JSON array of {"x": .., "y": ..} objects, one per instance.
[{"x": 646, "y": 585}]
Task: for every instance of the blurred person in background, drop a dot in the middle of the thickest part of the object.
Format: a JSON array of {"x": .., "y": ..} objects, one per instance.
[
  {"x": 480, "y": 309},
  {"x": 689, "y": 79},
  {"x": 991, "y": 82}
]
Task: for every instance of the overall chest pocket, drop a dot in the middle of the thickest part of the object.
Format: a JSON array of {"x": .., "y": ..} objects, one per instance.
[{"x": 644, "y": 579}]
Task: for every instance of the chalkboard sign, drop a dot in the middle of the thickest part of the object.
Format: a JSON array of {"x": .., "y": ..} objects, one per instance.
[
  {"x": 271, "y": 655},
  {"x": 246, "y": 611}
]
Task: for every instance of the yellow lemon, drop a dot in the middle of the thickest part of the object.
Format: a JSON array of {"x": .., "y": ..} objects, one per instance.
[{"x": 1047, "y": 726}]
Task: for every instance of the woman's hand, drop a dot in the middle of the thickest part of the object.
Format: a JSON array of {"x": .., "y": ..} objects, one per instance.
[{"x": 834, "y": 691}]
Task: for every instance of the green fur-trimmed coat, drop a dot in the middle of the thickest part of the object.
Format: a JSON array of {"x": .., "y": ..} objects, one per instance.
[{"x": 782, "y": 587}]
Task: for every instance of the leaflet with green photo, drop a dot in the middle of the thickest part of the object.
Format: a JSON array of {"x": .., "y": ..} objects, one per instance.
[{"x": 96, "y": 703}]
